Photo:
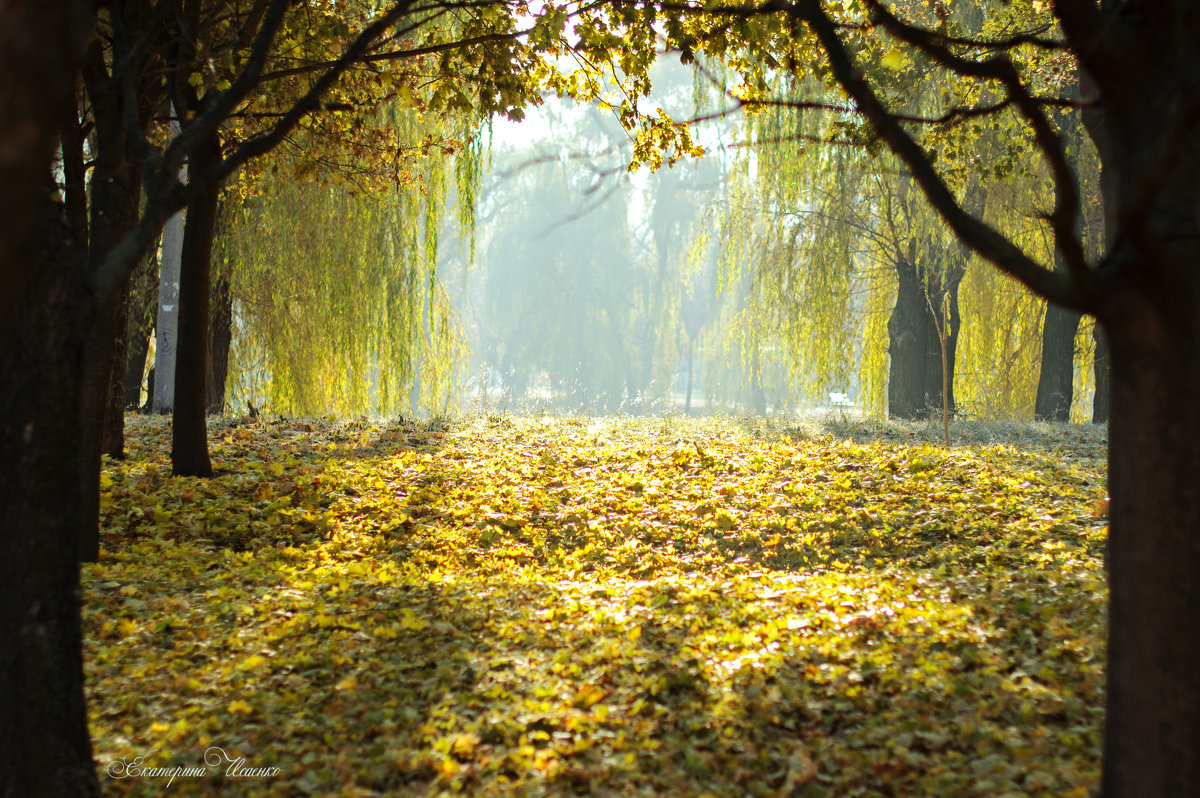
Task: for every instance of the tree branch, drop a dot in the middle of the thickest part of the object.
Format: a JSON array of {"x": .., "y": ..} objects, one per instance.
[
  {"x": 981, "y": 237},
  {"x": 1066, "y": 187},
  {"x": 165, "y": 195}
]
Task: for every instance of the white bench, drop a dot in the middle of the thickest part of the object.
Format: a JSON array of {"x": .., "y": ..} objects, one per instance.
[{"x": 840, "y": 400}]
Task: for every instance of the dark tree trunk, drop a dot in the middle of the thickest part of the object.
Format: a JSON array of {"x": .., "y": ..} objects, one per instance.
[
  {"x": 220, "y": 335},
  {"x": 1056, "y": 380},
  {"x": 1101, "y": 399},
  {"x": 189, "y": 441},
  {"x": 44, "y": 744},
  {"x": 908, "y": 346},
  {"x": 1153, "y": 557},
  {"x": 915, "y": 367},
  {"x": 142, "y": 304},
  {"x": 114, "y": 209}
]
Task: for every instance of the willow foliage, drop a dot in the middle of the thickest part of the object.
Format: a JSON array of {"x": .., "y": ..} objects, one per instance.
[{"x": 337, "y": 305}]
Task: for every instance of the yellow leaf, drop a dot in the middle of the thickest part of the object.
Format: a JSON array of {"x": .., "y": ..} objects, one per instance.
[
  {"x": 239, "y": 707},
  {"x": 587, "y": 696},
  {"x": 894, "y": 59},
  {"x": 634, "y": 633},
  {"x": 349, "y": 683},
  {"x": 411, "y": 621}
]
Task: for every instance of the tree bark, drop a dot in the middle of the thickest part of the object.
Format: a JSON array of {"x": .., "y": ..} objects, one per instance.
[
  {"x": 1056, "y": 379},
  {"x": 1153, "y": 557},
  {"x": 1100, "y": 368},
  {"x": 166, "y": 328},
  {"x": 44, "y": 745},
  {"x": 114, "y": 200},
  {"x": 189, "y": 441},
  {"x": 112, "y": 441},
  {"x": 915, "y": 366}
]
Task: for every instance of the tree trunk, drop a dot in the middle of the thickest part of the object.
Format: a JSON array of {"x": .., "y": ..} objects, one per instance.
[
  {"x": 1153, "y": 556},
  {"x": 1056, "y": 380},
  {"x": 114, "y": 207},
  {"x": 141, "y": 326},
  {"x": 1100, "y": 400},
  {"x": 687, "y": 404},
  {"x": 915, "y": 367},
  {"x": 112, "y": 441},
  {"x": 908, "y": 346},
  {"x": 166, "y": 327},
  {"x": 44, "y": 744},
  {"x": 189, "y": 441},
  {"x": 220, "y": 335}
]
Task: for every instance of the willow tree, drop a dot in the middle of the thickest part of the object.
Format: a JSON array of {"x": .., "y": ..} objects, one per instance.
[
  {"x": 344, "y": 318},
  {"x": 554, "y": 301}
]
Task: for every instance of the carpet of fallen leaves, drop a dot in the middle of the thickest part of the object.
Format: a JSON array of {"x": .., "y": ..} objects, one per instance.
[{"x": 607, "y": 607}]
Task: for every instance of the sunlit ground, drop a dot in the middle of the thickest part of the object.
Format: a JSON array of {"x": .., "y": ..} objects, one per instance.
[{"x": 538, "y": 606}]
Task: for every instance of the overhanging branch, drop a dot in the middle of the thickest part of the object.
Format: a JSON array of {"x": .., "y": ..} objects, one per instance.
[{"x": 981, "y": 237}]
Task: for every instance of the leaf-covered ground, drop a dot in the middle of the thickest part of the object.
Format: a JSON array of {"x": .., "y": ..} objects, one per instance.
[{"x": 527, "y": 606}]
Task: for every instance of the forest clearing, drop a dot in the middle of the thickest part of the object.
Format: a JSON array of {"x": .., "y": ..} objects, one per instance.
[
  {"x": 802, "y": 398},
  {"x": 603, "y": 606}
]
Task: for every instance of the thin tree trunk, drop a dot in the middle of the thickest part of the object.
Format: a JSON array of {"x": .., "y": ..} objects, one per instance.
[
  {"x": 112, "y": 441},
  {"x": 1101, "y": 399},
  {"x": 141, "y": 328},
  {"x": 189, "y": 442},
  {"x": 220, "y": 335},
  {"x": 687, "y": 406}
]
